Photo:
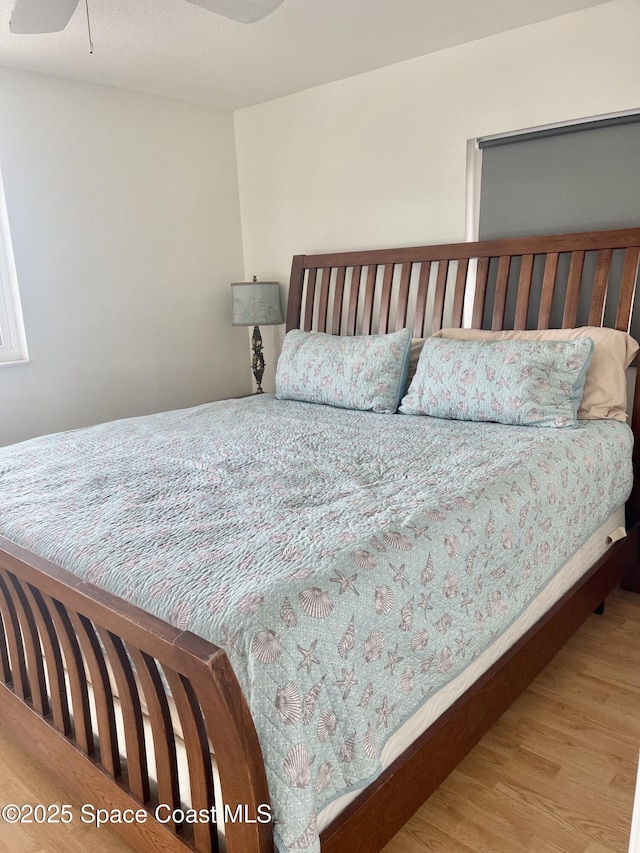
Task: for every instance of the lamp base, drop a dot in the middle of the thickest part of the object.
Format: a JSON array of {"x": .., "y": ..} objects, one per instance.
[{"x": 257, "y": 361}]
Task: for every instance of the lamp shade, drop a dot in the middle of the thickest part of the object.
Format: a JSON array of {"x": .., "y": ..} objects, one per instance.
[{"x": 256, "y": 303}]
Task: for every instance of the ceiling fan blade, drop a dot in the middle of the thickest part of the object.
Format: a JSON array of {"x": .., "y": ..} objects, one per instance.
[
  {"x": 41, "y": 16},
  {"x": 245, "y": 11}
]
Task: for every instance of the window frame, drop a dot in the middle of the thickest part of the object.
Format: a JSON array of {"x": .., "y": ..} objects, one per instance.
[{"x": 13, "y": 342}]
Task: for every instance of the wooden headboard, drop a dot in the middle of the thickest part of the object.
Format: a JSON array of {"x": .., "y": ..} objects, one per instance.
[{"x": 555, "y": 281}]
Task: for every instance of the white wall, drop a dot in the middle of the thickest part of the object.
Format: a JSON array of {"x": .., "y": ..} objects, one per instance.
[
  {"x": 379, "y": 159},
  {"x": 126, "y": 231}
]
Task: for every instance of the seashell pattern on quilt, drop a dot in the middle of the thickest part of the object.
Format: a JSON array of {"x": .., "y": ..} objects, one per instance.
[{"x": 349, "y": 563}]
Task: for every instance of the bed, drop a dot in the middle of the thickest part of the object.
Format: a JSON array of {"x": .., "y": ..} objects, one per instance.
[{"x": 142, "y": 710}]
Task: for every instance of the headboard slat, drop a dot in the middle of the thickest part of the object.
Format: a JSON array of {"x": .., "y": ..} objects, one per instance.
[
  {"x": 500, "y": 300},
  {"x": 369, "y": 299},
  {"x": 548, "y": 289},
  {"x": 403, "y": 296},
  {"x": 421, "y": 299},
  {"x": 482, "y": 276},
  {"x": 524, "y": 292},
  {"x": 310, "y": 300},
  {"x": 385, "y": 299},
  {"x": 458, "y": 295},
  {"x": 600, "y": 283},
  {"x": 574, "y": 281},
  {"x": 352, "y": 319},
  {"x": 438, "y": 304},
  {"x": 338, "y": 298},
  {"x": 324, "y": 300}
]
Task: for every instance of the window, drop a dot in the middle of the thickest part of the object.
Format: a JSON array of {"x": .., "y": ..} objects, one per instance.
[{"x": 13, "y": 344}]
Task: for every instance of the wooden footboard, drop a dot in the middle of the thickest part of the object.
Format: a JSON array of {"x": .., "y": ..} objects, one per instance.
[{"x": 63, "y": 641}]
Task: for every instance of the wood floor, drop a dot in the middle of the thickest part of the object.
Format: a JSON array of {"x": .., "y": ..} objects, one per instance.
[{"x": 555, "y": 775}]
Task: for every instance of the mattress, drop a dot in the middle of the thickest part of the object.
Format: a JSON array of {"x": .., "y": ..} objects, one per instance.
[{"x": 351, "y": 564}]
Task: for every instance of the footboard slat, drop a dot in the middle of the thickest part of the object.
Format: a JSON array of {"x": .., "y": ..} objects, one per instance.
[
  {"x": 18, "y": 665},
  {"x": 53, "y": 661},
  {"x": 76, "y": 674},
  {"x": 164, "y": 743},
  {"x": 103, "y": 695},
  {"x": 78, "y": 682},
  {"x": 137, "y": 772},
  {"x": 4, "y": 654},
  {"x": 198, "y": 756},
  {"x": 33, "y": 651}
]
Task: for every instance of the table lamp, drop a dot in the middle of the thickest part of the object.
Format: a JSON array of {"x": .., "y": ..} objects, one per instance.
[{"x": 256, "y": 303}]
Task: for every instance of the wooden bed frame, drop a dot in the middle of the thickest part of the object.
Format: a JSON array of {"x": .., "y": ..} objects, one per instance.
[{"x": 50, "y": 620}]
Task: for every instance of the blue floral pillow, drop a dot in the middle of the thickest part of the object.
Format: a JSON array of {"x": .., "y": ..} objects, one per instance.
[
  {"x": 530, "y": 383},
  {"x": 366, "y": 372}
]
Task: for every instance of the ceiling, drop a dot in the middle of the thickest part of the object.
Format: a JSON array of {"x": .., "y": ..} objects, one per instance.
[{"x": 176, "y": 49}]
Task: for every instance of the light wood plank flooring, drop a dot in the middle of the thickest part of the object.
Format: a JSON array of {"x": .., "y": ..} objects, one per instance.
[{"x": 555, "y": 775}]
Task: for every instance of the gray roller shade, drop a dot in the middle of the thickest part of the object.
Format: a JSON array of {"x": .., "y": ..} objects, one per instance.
[{"x": 577, "y": 178}]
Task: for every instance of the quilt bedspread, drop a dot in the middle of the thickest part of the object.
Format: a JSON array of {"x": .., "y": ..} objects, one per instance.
[{"x": 350, "y": 563}]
